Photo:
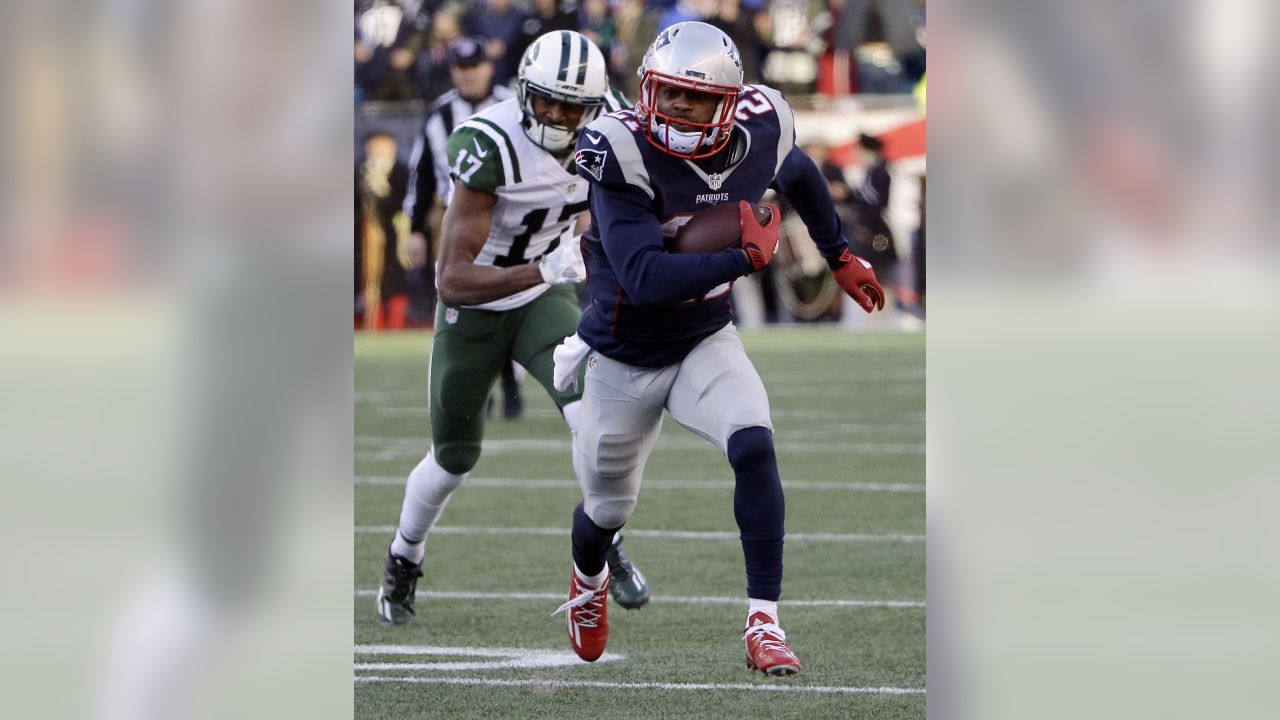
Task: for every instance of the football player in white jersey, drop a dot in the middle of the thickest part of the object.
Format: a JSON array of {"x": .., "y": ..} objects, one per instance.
[{"x": 509, "y": 256}]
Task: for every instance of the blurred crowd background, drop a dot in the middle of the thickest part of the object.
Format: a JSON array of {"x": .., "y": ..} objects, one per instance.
[
  {"x": 829, "y": 47},
  {"x": 853, "y": 69}
]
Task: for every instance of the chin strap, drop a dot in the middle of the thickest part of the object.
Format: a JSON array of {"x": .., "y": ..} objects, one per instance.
[{"x": 689, "y": 139}]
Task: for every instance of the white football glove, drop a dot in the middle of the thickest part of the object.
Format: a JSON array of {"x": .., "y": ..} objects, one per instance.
[
  {"x": 563, "y": 265},
  {"x": 567, "y": 358}
]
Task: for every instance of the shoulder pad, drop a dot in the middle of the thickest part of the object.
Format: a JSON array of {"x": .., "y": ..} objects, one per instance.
[
  {"x": 757, "y": 98},
  {"x": 608, "y": 152},
  {"x": 481, "y": 156},
  {"x": 614, "y": 100}
]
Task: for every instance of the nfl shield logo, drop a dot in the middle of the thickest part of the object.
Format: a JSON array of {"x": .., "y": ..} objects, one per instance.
[
  {"x": 714, "y": 180},
  {"x": 591, "y": 363},
  {"x": 451, "y": 315}
]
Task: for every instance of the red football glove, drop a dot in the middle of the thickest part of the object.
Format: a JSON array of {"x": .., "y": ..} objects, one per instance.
[
  {"x": 759, "y": 241},
  {"x": 858, "y": 279}
]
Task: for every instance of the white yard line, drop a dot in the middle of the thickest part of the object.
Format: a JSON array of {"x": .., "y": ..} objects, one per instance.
[
  {"x": 663, "y": 534},
  {"x": 595, "y": 684},
  {"x": 658, "y": 484},
  {"x": 658, "y": 599},
  {"x": 473, "y": 658}
]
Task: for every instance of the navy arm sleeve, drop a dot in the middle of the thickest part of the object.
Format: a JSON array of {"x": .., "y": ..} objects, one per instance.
[
  {"x": 632, "y": 240},
  {"x": 805, "y": 187},
  {"x": 880, "y": 186}
]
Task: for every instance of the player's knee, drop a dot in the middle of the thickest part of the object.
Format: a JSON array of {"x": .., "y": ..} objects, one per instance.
[
  {"x": 610, "y": 512},
  {"x": 751, "y": 448},
  {"x": 458, "y": 458}
]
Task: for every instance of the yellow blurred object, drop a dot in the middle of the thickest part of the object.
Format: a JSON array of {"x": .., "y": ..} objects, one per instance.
[
  {"x": 401, "y": 223},
  {"x": 375, "y": 247},
  {"x": 919, "y": 93}
]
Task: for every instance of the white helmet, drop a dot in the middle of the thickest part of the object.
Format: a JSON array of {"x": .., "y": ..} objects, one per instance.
[
  {"x": 693, "y": 56},
  {"x": 562, "y": 65}
]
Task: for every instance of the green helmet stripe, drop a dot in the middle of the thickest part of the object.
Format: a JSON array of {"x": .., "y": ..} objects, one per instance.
[
  {"x": 582, "y": 57},
  {"x": 563, "y": 75}
]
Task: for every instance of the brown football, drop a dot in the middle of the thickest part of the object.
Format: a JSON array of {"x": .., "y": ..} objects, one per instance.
[{"x": 714, "y": 229}]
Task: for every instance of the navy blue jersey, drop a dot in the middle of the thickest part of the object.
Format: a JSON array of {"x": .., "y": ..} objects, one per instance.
[{"x": 650, "y": 307}]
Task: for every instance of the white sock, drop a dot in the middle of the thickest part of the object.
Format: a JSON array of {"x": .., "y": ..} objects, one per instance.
[
  {"x": 425, "y": 495},
  {"x": 591, "y": 581},
  {"x": 768, "y": 607}
]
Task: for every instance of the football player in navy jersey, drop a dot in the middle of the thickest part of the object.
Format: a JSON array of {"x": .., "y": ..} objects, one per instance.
[{"x": 657, "y": 333}]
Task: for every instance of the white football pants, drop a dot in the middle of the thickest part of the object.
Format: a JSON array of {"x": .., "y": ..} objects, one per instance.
[{"x": 715, "y": 391}]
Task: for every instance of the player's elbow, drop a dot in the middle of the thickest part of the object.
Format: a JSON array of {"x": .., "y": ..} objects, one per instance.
[
  {"x": 648, "y": 280},
  {"x": 448, "y": 297},
  {"x": 646, "y": 288},
  {"x": 450, "y": 289},
  {"x": 457, "y": 297},
  {"x": 659, "y": 290}
]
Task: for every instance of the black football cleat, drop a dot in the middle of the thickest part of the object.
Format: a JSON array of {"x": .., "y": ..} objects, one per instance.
[
  {"x": 626, "y": 582},
  {"x": 395, "y": 596}
]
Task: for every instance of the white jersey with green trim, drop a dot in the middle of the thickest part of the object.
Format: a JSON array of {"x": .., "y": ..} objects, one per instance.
[{"x": 538, "y": 200}]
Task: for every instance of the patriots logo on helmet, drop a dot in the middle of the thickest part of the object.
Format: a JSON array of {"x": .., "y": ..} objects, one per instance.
[
  {"x": 591, "y": 162},
  {"x": 733, "y": 53},
  {"x": 663, "y": 40}
]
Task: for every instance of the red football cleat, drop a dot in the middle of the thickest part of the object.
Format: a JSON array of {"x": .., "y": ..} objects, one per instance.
[
  {"x": 587, "y": 618},
  {"x": 767, "y": 648}
]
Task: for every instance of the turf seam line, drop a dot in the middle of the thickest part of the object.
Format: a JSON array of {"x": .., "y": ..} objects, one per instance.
[{"x": 596, "y": 684}]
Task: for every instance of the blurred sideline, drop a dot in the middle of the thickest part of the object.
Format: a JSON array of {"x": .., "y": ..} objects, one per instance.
[
  {"x": 177, "y": 404},
  {"x": 176, "y": 375},
  {"x": 1102, "y": 335}
]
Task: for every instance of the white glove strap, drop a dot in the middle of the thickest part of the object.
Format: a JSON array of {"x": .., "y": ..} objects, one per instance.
[{"x": 563, "y": 265}]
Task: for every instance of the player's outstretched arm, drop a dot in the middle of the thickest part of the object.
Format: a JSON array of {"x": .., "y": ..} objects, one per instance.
[
  {"x": 803, "y": 184},
  {"x": 463, "y": 232}
]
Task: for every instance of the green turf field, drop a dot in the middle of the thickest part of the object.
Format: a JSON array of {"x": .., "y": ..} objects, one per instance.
[{"x": 848, "y": 411}]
